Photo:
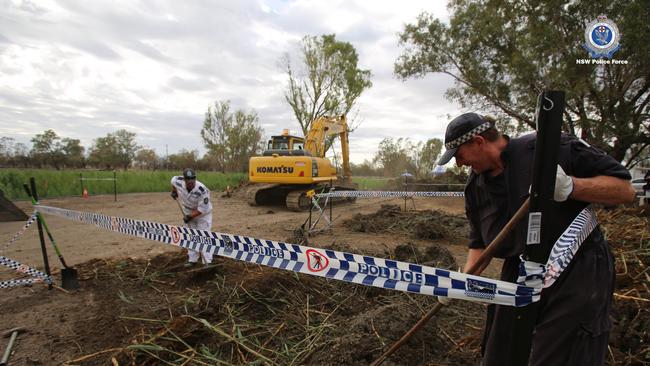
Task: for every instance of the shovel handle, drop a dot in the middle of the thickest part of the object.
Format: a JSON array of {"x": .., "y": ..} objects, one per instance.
[
  {"x": 179, "y": 206},
  {"x": 474, "y": 269}
]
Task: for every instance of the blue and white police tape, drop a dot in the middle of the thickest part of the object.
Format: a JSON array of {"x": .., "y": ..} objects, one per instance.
[
  {"x": 19, "y": 282},
  {"x": 20, "y": 232},
  {"x": 23, "y": 268},
  {"x": 360, "y": 269},
  {"x": 539, "y": 275},
  {"x": 373, "y": 194},
  {"x": 15, "y": 265}
]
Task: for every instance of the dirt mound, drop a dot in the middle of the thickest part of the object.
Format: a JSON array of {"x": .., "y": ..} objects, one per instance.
[
  {"x": 628, "y": 233},
  {"x": 434, "y": 256},
  {"x": 240, "y": 190},
  {"x": 149, "y": 312},
  {"x": 427, "y": 224}
]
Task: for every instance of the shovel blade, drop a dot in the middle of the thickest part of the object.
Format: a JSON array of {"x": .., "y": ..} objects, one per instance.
[{"x": 69, "y": 279}]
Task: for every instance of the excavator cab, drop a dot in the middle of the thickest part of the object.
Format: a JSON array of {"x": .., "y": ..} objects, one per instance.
[{"x": 286, "y": 145}]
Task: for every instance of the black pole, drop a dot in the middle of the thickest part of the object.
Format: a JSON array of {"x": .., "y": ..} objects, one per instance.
[
  {"x": 330, "y": 201},
  {"x": 406, "y": 188},
  {"x": 81, "y": 183},
  {"x": 115, "y": 184},
  {"x": 311, "y": 208},
  {"x": 46, "y": 264},
  {"x": 550, "y": 107}
]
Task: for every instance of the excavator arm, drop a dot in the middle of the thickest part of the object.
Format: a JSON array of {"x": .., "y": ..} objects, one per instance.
[{"x": 320, "y": 130}]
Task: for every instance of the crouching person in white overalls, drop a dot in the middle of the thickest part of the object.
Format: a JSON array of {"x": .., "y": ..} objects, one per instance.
[{"x": 194, "y": 197}]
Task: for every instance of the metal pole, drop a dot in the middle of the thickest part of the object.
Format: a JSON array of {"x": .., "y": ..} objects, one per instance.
[
  {"x": 81, "y": 183},
  {"x": 46, "y": 264},
  {"x": 115, "y": 184},
  {"x": 331, "y": 200},
  {"x": 311, "y": 208},
  {"x": 549, "y": 126},
  {"x": 406, "y": 188}
]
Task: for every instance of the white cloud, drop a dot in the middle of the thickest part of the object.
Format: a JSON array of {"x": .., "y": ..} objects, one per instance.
[{"x": 86, "y": 69}]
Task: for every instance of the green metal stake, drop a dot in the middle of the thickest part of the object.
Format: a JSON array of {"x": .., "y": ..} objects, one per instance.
[
  {"x": 46, "y": 263},
  {"x": 68, "y": 274}
]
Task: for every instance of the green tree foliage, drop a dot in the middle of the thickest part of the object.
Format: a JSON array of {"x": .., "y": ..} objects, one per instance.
[
  {"x": 146, "y": 158},
  {"x": 231, "y": 138},
  {"x": 12, "y": 153},
  {"x": 502, "y": 54},
  {"x": 6, "y": 150},
  {"x": 365, "y": 169},
  {"x": 397, "y": 156},
  {"x": 114, "y": 150},
  {"x": 46, "y": 149},
  {"x": 184, "y": 159},
  {"x": 49, "y": 149},
  {"x": 104, "y": 152},
  {"x": 393, "y": 156},
  {"x": 425, "y": 156},
  {"x": 126, "y": 147},
  {"x": 73, "y": 153},
  {"x": 328, "y": 82}
]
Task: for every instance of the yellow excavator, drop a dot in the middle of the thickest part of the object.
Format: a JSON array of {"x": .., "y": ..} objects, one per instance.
[{"x": 291, "y": 166}]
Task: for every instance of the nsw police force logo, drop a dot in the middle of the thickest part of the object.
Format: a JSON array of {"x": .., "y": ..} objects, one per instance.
[{"x": 602, "y": 38}]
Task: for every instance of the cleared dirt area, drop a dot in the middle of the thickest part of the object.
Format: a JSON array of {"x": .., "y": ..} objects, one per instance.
[{"x": 137, "y": 304}]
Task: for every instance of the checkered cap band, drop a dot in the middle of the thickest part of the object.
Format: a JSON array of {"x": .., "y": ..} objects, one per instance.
[{"x": 468, "y": 136}]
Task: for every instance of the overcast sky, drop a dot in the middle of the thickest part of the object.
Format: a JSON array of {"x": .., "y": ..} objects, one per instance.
[{"x": 88, "y": 68}]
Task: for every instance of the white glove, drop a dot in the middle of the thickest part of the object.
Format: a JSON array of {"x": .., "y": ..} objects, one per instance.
[
  {"x": 444, "y": 300},
  {"x": 563, "y": 185}
]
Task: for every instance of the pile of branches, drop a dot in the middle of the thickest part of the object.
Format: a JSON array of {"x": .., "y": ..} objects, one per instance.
[
  {"x": 628, "y": 232},
  {"x": 157, "y": 312}
]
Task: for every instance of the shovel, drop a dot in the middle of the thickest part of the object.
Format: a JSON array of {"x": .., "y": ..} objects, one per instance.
[{"x": 68, "y": 274}]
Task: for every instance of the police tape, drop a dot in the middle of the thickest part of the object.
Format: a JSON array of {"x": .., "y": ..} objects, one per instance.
[
  {"x": 23, "y": 268},
  {"x": 566, "y": 246},
  {"x": 375, "y": 194},
  {"x": 19, "y": 282},
  {"x": 20, "y": 232},
  {"x": 37, "y": 275},
  {"x": 348, "y": 267}
]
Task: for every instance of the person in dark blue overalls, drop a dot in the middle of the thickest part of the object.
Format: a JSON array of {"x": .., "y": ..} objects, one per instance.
[{"x": 572, "y": 326}]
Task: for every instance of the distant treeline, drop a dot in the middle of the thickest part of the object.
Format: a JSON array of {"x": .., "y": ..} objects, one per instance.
[{"x": 117, "y": 150}]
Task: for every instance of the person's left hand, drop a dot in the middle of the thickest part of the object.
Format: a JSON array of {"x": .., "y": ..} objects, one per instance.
[
  {"x": 444, "y": 300},
  {"x": 563, "y": 185},
  {"x": 187, "y": 218}
]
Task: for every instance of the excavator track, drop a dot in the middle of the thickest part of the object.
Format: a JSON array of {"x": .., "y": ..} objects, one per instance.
[
  {"x": 298, "y": 201},
  {"x": 255, "y": 193},
  {"x": 293, "y": 197}
]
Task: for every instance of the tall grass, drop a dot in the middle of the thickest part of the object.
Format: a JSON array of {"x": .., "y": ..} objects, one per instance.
[
  {"x": 62, "y": 183},
  {"x": 371, "y": 183}
]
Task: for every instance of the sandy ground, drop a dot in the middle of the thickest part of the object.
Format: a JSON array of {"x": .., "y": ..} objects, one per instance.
[{"x": 53, "y": 318}]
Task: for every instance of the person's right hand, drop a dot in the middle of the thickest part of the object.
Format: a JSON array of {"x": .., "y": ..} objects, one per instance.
[{"x": 174, "y": 194}]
